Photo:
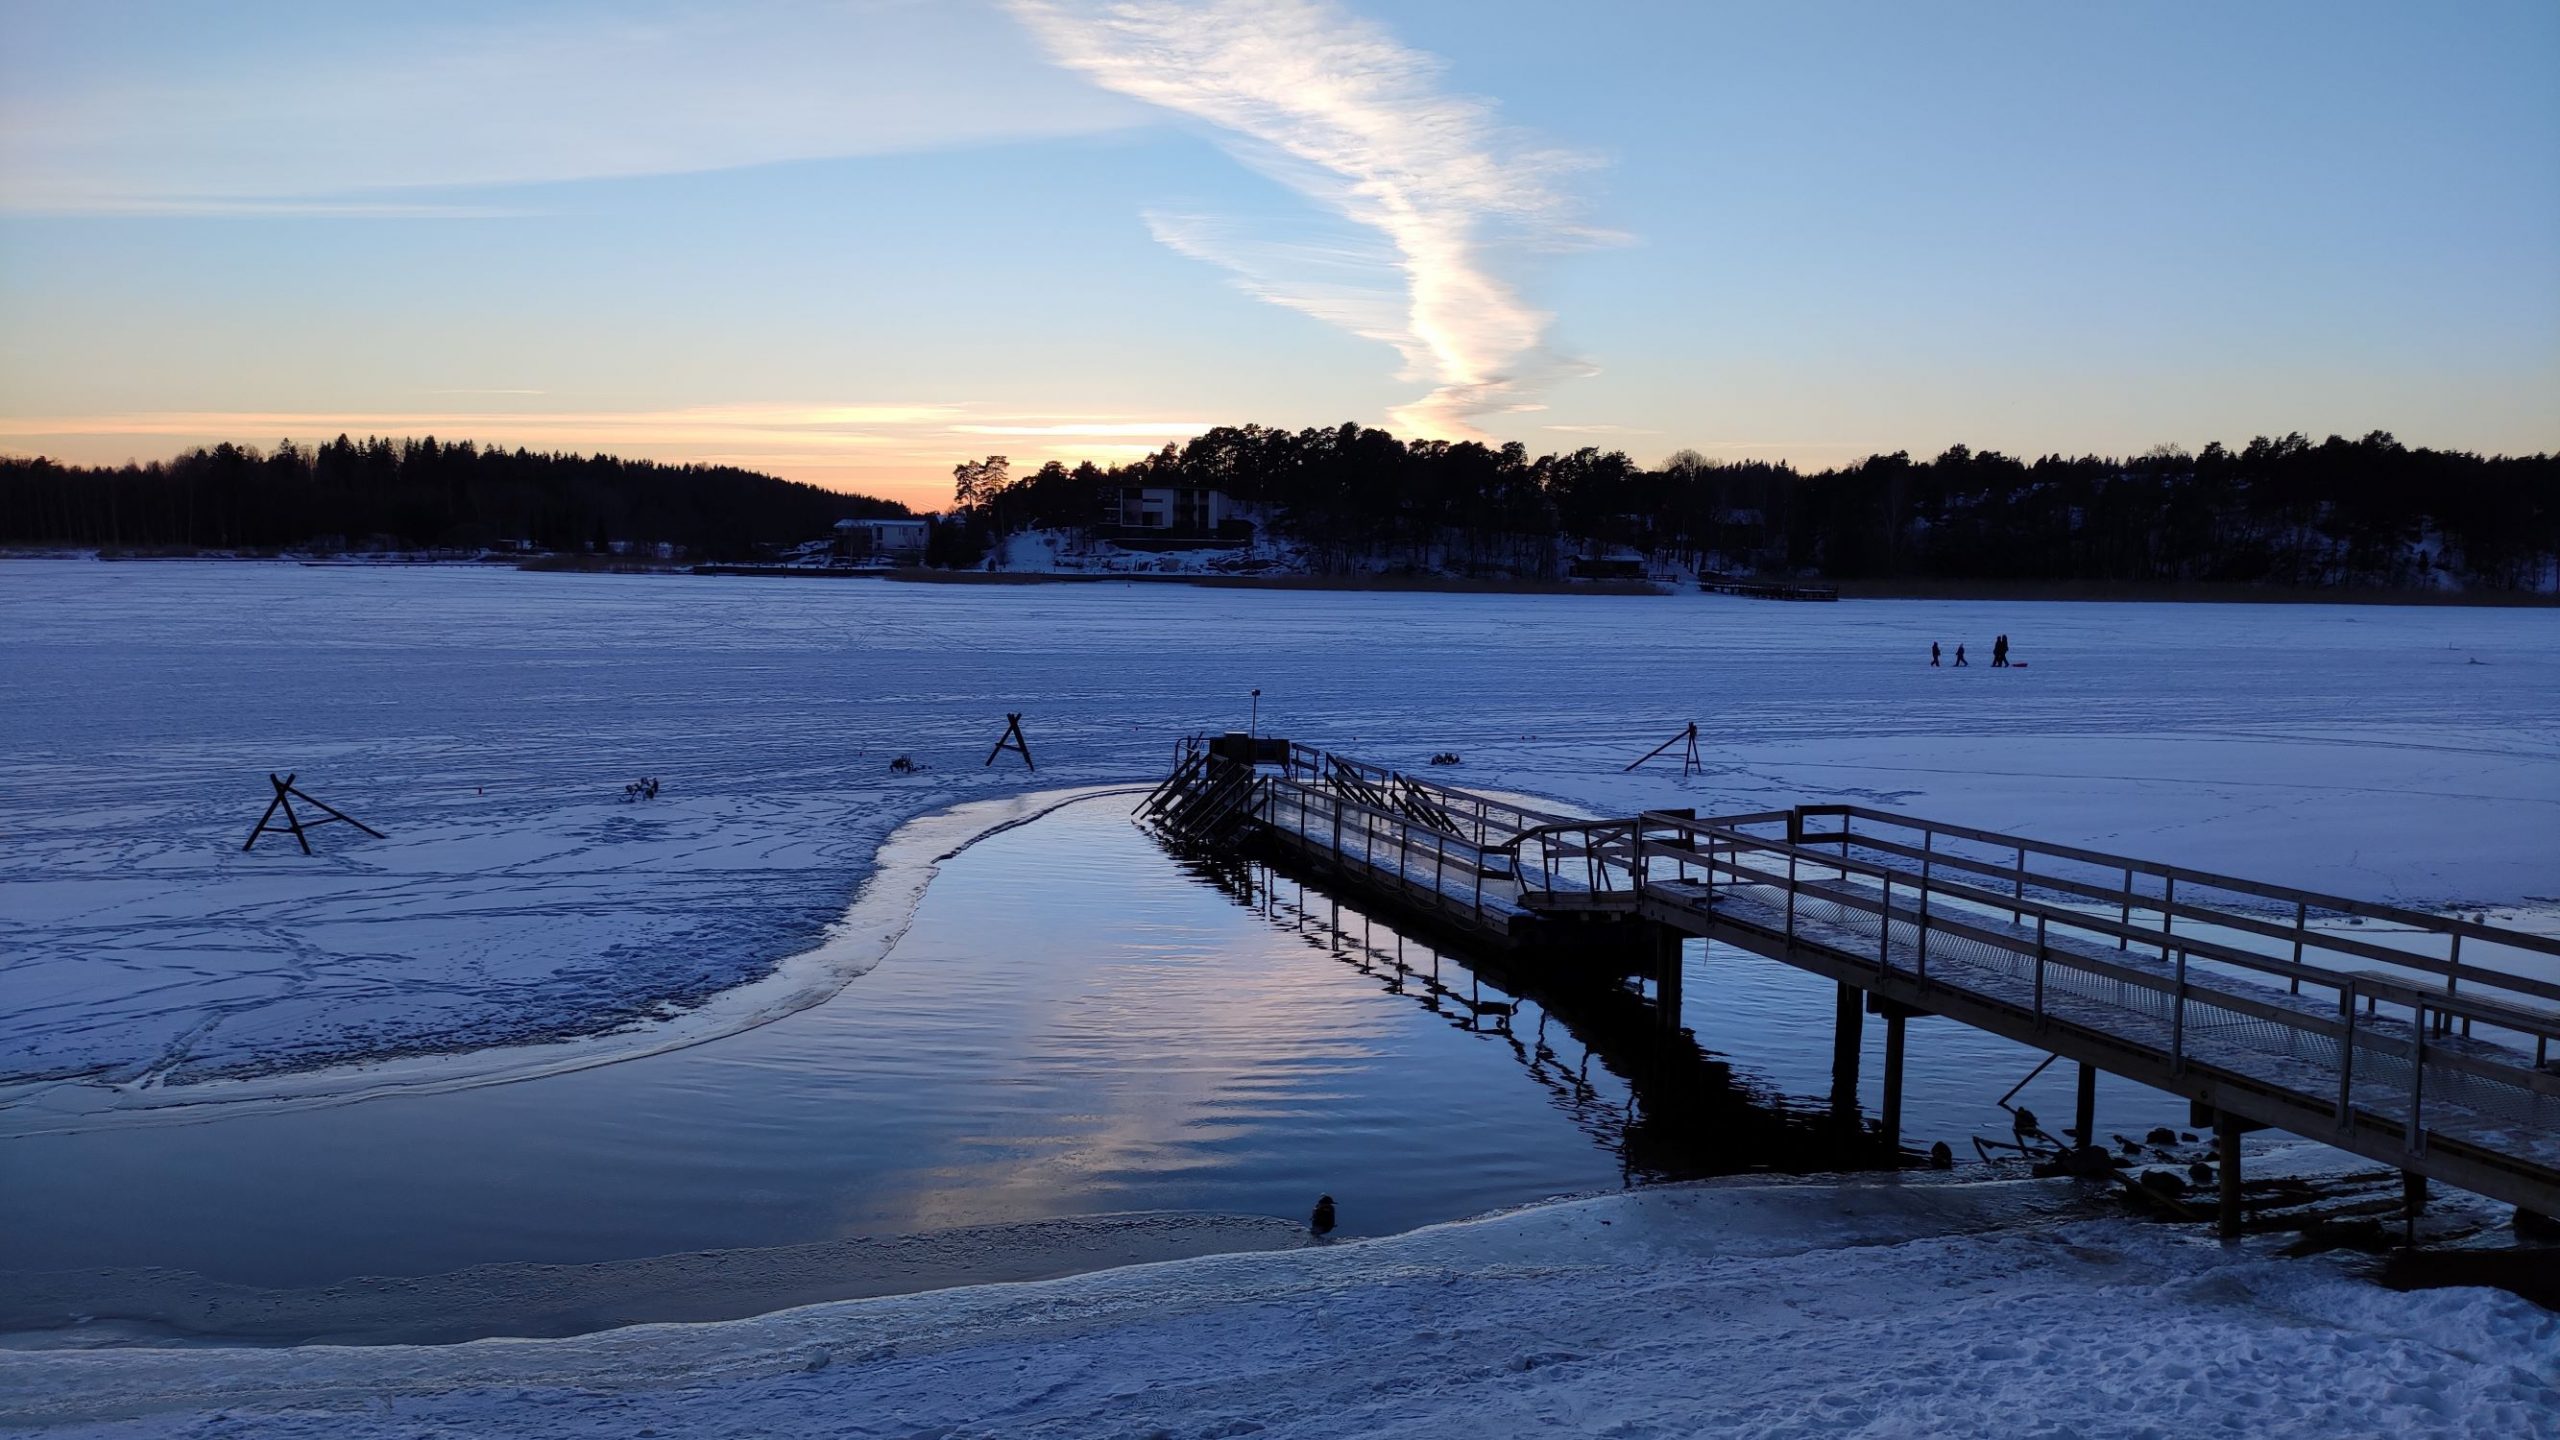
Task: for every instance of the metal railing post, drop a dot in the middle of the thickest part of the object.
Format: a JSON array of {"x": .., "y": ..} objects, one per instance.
[
  {"x": 2168, "y": 897},
  {"x": 2301, "y": 927},
  {"x": 2453, "y": 982},
  {"x": 2178, "y": 1020},
  {"x": 1791, "y": 893},
  {"x": 1884, "y": 929},
  {"x": 2018, "y": 892},
  {"x": 2040, "y": 958},
  {"x": 2124, "y": 918},
  {"x": 2347, "y": 1056},
  {"x": 2414, "y": 1139}
]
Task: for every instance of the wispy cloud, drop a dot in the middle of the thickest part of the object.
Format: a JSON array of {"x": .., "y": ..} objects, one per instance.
[
  {"x": 162, "y": 108},
  {"x": 1339, "y": 110},
  {"x": 1164, "y": 429},
  {"x": 690, "y": 425},
  {"x": 76, "y": 199},
  {"x": 901, "y": 449},
  {"x": 1348, "y": 286}
]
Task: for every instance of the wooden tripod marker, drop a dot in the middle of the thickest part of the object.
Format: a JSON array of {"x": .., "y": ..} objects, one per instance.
[
  {"x": 1012, "y": 739},
  {"x": 286, "y": 790},
  {"x": 1690, "y": 764}
]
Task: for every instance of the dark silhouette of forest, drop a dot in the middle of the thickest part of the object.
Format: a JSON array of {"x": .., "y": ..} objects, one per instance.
[
  {"x": 2368, "y": 512},
  {"x": 2289, "y": 512},
  {"x": 412, "y": 494}
]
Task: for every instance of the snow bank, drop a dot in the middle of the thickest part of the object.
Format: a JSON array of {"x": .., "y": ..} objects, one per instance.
[
  {"x": 1857, "y": 1308},
  {"x": 488, "y": 720}
]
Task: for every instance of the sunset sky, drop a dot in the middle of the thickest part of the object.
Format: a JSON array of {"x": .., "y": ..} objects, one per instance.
[{"x": 855, "y": 241}]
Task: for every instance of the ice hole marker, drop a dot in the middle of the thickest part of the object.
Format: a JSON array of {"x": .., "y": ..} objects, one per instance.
[
  {"x": 1012, "y": 739},
  {"x": 286, "y": 793}
]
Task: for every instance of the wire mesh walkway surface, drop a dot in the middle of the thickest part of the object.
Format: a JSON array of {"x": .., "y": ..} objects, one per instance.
[{"x": 2424, "y": 1041}]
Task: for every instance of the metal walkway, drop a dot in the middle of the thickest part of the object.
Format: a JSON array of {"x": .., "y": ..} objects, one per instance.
[{"x": 2422, "y": 1041}]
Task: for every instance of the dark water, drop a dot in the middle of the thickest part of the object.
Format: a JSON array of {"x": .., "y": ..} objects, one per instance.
[{"x": 1079, "y": 1022}]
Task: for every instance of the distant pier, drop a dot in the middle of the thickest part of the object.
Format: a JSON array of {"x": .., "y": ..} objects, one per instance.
[
  {"x": 2395, "y": 1045},
  {"x": 1759, "y": 589}
]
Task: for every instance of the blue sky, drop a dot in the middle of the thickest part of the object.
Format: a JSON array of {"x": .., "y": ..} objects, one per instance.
[{"x": 854, "y": 241}]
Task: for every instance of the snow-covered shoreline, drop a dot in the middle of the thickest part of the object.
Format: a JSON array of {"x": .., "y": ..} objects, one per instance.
[{"x": 1856, "y": 1306}]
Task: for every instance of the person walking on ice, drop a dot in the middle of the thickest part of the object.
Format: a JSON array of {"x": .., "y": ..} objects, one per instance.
[
  {"x": 1961, "y": 662},
  {"x": 1933, "y": 654},
  {"x": 2000, "y": 652}
]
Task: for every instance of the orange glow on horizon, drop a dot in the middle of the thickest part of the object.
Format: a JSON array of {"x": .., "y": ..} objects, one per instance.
[{"x": 901, "y": 452}]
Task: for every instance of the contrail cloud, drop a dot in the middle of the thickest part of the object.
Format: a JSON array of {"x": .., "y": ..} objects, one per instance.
[{"x": 1334, "y": 107}]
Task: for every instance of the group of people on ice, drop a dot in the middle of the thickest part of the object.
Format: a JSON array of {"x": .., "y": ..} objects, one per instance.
[{"x": 1999, "y": 654}]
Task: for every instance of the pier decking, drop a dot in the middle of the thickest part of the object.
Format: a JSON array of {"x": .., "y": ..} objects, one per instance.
[{"x": 2413, "y": 1039}]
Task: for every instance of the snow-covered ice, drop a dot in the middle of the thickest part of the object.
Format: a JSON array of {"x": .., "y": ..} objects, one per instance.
[
  {"x": 1860, "y": 1308},
  {"x": 488, "y": 720}
]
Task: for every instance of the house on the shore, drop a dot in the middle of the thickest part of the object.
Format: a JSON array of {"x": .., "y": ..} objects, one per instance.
[
  {"x": 1162, "y": 512},
  {"x": 899, "y": 541}
]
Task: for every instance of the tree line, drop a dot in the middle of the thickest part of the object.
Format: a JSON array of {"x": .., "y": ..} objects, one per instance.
[
  {"x": 415, "y": 493},
  {"x": 2366, "y": 512}
]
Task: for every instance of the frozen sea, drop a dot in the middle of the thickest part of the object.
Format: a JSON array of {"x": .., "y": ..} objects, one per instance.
[
  {"x": 487, "y": 722},
  {"x": 521, "y": 918}
]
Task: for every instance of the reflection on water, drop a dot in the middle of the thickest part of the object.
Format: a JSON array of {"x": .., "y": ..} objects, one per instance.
[
  {"x": 1667, "y": 1109},
  {"x": 1075, "y": 1024}
]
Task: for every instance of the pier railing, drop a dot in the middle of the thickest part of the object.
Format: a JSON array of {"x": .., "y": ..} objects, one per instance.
[
  {"x": 1435, "y": 868},
  {"x": 1482, "y": 820},
  {"x": 2202, "y": 970}
]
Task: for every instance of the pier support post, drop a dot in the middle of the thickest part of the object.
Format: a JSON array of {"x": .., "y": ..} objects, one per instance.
[
  {"x": 1848, "y": 1021},
  {"x": 1666, "y": 976},
  {"x": 2084, "y": 1116},
  {"x": 1893, "y": 1016},
  {"x": 2413, "y": 1203},
  {"x": 2226, "y": 1139}
]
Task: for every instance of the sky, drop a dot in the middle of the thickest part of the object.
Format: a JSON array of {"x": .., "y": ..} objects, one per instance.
[{"x": 857, "y": 241}]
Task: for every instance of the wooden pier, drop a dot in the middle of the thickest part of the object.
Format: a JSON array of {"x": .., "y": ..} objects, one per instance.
[
  {"x": 1760, "y": 589},
  {"x": 2262, "y": 1004}
]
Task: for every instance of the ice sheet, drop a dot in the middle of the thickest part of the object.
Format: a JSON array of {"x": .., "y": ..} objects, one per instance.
[{"x": 488, "y": 720}]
